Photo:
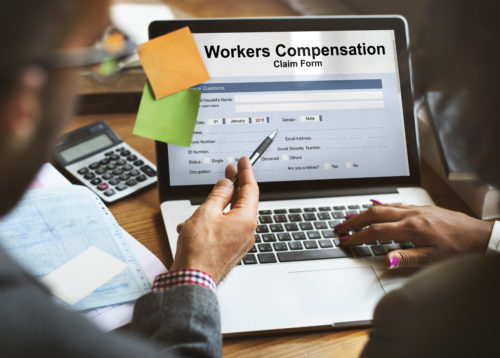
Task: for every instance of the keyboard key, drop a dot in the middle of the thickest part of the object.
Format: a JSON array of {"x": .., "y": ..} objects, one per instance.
[
  {"x": 110, "y": 166},
  {"x": 291, "y": 227},
  {"x": 378, "y": 250},
  {"x": 103, "y": 186},
  {"x": 89, "y": 176},
  {"x": 320, "y": 225},
  {"x": 366, "y": 206},
  {"x": 253, "y": 249},
  {"x": 265, "y": 212},
  {"x": 121, "y": 187},
  {"x": 324, "y": 243},
  {"x": 295, "y": 210},
  {"x": 109, "y": 192},
  {"x": 127, "y": 167},
  {"x": 104, "y": 161},
  {"x": 313, "y": 235},
  {"x": 310, "y": 245},
  {"x": 96, "y": 181},
  {"x": 385, "y": 242},
  {"x": 362, "y": 251},
  {"x": 120, "y": 162},
  {"x": 295, "y": 245},
  {"x": 124, "y": 176},
  {"x": 83, "y": 171},
  {"x": 134, "y": 172},
  {"x": 94, "y": 166},
  {"x": 114, "y": 181},
  {"x": 299, "y": 235},
  {"x": 324, "y": 216},
  {"x": 406, "y": 245},
  {"x": 313, "y": 255},
  {"x": 257, "y": 238},
  {"x": 266, "y": 220},
  {"x": 328, "y": 234},
  {"x": 280, "y": 211},
  {"x": 265, "y": 247},
  {"x": 267, "y": 258},
  {"x": 107, "y": 176},
  {"x": 306, "y": 226},
  {"x": 261, "y": 229},
  {"x": 280, "y": 218},
  {"x": 150, "y": 172},
  {"x": 268, "y": 237},
  {"x": 114, "y": 157},
  {"x": 117, "y": 172},
  {"x": 309, "y": 210},
  {"x": 140, "y": 178},
  {"x": 107, "y": 154},
  {"x": 351, "y": 212},
  {"x": 276, "y": 228},
  {"x": 392, "y": 247},
  {"x": 294, "y": 217},
  {"x": 250, "y": 259},
  {"x": 353, "y": 207},
  {"x": 132, "y": 158},
  {"x": 284, "y": 236},
  {"x": 280, "y": 246},
  {"x": 125, "y": 153},
  {"x": 324, "y": 208},
  {"x": 336, "y": 241},
  {"x": 339, "y": 208},
  {"x": 309, "y": 217},
  {"x": 334, "y": 223},
  {"x": 338, "y": 215}
]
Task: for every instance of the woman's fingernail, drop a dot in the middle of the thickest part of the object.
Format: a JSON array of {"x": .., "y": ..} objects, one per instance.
[
  {"x": 350, "y": 216},
  {"x": 393, "y": 262},
  {"x": 338, "y": 226},
  {"x": 344, "y": 238},
  {"x": 375, "y": 202}
]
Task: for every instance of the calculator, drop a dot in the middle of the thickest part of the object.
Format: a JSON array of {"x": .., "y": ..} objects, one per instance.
[{"x": 100, "y": 160}]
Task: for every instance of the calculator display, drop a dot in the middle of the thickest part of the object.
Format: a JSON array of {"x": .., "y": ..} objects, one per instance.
[{"x": 87, "y": 147}]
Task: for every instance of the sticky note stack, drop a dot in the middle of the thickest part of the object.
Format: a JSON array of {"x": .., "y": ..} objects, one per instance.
[{"x": 169, "y": 107}]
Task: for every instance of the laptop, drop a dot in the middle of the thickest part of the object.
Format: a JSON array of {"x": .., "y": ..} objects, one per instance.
[{"x": 338, "y": 91}]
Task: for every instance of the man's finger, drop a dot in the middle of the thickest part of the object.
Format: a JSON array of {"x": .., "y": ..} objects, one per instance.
[
  {"x": 414, "y": 257},
  {"x": 230, "y": 171},
  {"x": 219, "y": 197},
  {"x": 381, "y": 232},
  {"x": 247, "y": 197},
  {"x": 375, "y": 214}
]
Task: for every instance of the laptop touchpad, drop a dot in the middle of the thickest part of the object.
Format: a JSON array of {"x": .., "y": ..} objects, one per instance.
[{"x": 337, "y": 291}]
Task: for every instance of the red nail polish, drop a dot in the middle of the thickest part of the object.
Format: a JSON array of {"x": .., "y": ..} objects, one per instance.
[
  {"x": 394, "y": 262},
  {"x": 338, "y": 226},
  {"x": 344, "y": 238},
  {"x": 375, "y": 202},
  {"x": 350, "y": 216}
]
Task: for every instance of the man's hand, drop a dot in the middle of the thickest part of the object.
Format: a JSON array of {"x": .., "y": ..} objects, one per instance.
[
  {"x": 214, "y": 242},
  {"x": 437, "y": 233}
]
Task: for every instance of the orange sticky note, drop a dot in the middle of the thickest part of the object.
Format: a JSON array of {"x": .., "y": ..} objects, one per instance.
[{"x": 172, "y": 62}]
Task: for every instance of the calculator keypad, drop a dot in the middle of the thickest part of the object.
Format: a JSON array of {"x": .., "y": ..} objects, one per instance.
[{"x": 115, "y": 171}]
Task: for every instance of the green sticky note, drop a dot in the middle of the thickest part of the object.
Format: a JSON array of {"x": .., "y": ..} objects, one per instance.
[{"x": 169, "y": 119}]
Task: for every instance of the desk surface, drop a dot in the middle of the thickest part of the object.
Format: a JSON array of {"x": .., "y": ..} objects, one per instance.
[{"x": 141, "y": 217}]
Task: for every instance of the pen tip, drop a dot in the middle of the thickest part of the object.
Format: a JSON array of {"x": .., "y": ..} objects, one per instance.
[{"x": 273, "y": 134}]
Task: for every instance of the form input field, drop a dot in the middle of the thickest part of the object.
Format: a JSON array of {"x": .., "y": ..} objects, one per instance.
[
  {"x": 307, "y": 96},
  {"x": 306, "y": 106}
]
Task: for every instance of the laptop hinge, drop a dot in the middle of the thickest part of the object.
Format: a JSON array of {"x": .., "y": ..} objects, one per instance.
[{"x": 305, "y": 194}]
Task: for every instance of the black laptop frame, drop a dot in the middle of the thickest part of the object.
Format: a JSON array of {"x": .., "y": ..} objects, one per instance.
[{"x": 310, "y": 188}]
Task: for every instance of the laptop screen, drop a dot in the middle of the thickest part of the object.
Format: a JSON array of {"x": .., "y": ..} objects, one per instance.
[{"x": 333, "y": 96}]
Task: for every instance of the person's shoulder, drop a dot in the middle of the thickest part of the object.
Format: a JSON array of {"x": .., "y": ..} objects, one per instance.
[{"x": 447, "y": 309}]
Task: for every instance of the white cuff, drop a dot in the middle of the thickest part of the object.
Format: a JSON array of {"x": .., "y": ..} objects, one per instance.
[{"x": 494, "y": 243}]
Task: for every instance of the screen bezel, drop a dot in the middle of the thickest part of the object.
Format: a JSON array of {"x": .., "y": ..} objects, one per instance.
[{"x": 291, "y": 189}]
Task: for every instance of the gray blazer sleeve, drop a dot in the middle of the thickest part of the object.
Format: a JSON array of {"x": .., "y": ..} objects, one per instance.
[
  {"x": 447, "y": 310},
  {"x": 181, "y": 322}
]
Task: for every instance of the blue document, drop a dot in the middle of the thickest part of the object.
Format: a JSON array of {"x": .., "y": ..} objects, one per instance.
[{"x": 50, "y": 226}]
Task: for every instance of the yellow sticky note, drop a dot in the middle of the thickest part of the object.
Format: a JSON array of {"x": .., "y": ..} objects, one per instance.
[{"x": 172, "y": 63}]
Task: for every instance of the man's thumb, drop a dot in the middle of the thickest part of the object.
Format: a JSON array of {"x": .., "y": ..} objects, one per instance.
[
  {"x": 220, "y": 195},
  {"x": 412, "y": 257}
]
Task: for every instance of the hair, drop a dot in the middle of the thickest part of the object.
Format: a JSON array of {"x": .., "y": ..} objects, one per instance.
[
  {"x": 30, "y": 30},
  {"x": 457, "y": 50}
]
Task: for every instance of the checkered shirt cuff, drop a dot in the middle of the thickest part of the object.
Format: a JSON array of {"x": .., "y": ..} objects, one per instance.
[{"x": 176, "y": 278}]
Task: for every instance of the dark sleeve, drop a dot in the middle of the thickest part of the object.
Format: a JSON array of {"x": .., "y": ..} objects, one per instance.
[{"x": 183, "y": 322}]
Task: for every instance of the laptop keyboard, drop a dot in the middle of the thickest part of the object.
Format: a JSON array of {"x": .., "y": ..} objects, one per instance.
[{"x": 300, "y": 234}]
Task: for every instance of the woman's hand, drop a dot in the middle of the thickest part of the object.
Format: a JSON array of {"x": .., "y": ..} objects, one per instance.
[{"x": 436, "y": 233}]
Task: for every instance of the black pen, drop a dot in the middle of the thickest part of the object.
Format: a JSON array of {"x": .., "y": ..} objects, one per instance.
[{"x": 257, "y": 153}]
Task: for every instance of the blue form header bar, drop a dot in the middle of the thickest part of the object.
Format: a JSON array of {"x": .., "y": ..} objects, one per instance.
[{"x": 289, "y": 86}]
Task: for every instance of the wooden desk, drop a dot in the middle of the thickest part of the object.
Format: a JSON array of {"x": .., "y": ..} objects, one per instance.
[{"x": 141, "y": 217}]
